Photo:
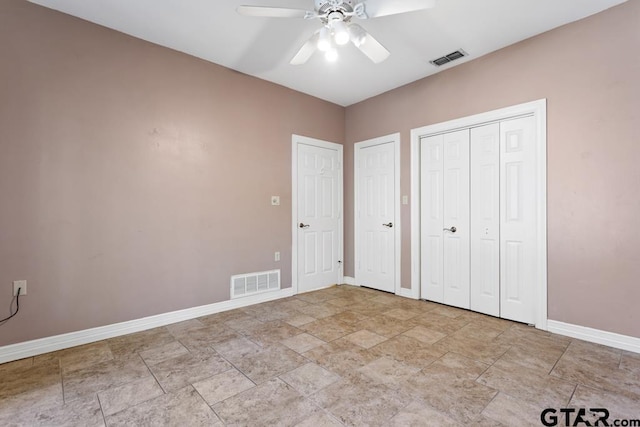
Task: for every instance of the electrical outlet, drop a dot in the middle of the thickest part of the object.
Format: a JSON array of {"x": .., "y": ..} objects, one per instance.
[
  {"x": 277, "y": 256},
  {"x": 22, "y": 285},
  {"x": 275, "y": 200}
]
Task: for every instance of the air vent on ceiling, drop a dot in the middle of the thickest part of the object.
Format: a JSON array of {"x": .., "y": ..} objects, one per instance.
[{"x": 449, "y": 58}]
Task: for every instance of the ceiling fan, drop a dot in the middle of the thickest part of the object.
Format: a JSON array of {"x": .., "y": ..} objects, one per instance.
[{"x": 337, "y": 28}]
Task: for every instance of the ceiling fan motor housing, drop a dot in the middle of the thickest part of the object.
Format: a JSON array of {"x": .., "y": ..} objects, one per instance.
[{"x": 324, "y": 6}]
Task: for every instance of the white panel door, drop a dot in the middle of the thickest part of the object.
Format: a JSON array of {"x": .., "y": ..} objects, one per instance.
[
  {"x": 431, "y": 198},
  {"x": 318, "y": 195},
  {"x": 445, "y": 218},
  {"x": 485, "y": 219},
  {"x": 456, "y": 218},
  {"x": 375, "y": 210},
  {"x": 518, "y": 219}
]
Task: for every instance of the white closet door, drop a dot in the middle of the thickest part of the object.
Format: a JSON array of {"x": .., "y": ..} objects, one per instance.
[
  {"x": 445, "y": 218},
  {"x": 456, "y": 219},
  {"x": 485, "y": 219},
  {"x": 518, "y": 219},
  {"x": 431, "y": 197}
]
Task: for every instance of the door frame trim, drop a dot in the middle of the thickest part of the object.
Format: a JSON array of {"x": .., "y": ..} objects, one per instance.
[
  {"x": 537, "y": 109},
  {"x": 297, "y": 140},
  {"x": 395, "y": 140}
]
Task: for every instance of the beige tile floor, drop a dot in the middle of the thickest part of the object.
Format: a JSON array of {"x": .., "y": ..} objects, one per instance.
[{"x": 339, "y": 356}]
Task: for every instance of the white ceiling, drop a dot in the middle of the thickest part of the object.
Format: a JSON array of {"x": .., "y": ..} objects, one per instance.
[{"x": 262, "y": 47}]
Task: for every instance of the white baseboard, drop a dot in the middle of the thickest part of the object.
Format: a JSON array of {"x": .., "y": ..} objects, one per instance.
[
  {"x": 407, "y": 293},
  {"x": 348, "y": 280},
  {"x": 597, "y": 336},
  {"x": 21, "y": 350},
  {"x": 316, "y": 289}
]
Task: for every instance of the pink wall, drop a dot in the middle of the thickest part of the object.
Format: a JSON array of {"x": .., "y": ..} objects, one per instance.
[
  {"x": 588, "y": 71},
  {"x": 135, "y": 180}
]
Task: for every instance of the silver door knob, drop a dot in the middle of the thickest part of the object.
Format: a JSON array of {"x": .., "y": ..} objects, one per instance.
[
  {"x": 303, "y": 225},
  {"x": 452, "y": 229},
  {"x": 388, "y": 225}
]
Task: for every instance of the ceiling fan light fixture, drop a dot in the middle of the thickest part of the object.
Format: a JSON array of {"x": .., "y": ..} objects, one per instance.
[
  {"x": 341, "y": 33},
  {"x": 324, "y": 40},
  {"x": 338, "y": 28},
  {"x": 331, "y": 55}
]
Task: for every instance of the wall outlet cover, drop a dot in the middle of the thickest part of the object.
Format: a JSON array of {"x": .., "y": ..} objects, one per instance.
[{"x": 22, "y": 284}]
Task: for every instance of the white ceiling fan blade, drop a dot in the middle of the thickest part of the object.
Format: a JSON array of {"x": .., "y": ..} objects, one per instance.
[
  {"x": 306, "y": 50},
  {"x": 369, "y": 45},
  {"x": 271, "y": 12},
  {"x": 376, "y": 8}
]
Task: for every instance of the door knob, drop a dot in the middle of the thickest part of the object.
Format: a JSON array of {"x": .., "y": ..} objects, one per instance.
[
  {"x": 452, "y": 229},
  {"x": 303, "y": 225},
  {"x": 388, "y": 225}
]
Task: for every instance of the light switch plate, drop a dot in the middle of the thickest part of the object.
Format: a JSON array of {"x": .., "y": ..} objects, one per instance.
[
  {"x": 405, "y": 200},
  {"x": 275, "y": 200}
]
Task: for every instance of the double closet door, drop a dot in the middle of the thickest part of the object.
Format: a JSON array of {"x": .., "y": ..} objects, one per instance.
[{"x": 478, "y": 216}]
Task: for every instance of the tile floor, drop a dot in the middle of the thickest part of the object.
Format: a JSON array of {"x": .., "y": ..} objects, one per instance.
[{"x": 339, "y": 356}]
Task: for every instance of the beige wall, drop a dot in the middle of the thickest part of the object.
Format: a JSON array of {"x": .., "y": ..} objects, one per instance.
[
  {"x": 135, "y": 180},
  {"x": 589, "y": 72}
]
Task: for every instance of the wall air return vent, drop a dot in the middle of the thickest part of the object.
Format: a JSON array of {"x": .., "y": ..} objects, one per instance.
[
  {"x": 449, "y": 58},
  {"x": 243, "y": 285}
]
